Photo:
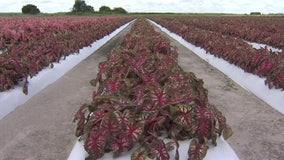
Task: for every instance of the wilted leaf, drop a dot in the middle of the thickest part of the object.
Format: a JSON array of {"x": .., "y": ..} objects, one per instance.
[
  {"x": 227, "y": 132},
  {"x": 139, "y": 154}
]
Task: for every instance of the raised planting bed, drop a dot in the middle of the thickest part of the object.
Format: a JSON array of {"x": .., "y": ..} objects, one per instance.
[{"x": 143, "y": 97}]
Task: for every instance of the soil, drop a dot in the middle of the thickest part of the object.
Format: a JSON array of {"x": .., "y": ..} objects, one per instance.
[{"x": 42, "y": 128}]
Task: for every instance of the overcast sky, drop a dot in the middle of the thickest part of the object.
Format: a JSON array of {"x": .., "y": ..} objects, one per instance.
[{"x": 202, "y": 6}]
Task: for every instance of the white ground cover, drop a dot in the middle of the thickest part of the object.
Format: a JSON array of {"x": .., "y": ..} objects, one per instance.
[
  {"x": 221, "y": 152},
  {"x": 250, "y": 82},
  {"x": 258, "y": 46},
  {"x": 11, "y": 99}
]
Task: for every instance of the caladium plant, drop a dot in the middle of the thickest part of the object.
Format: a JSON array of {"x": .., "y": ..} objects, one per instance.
[
  {"x": 143, "y": 96},
  {"x": 213, "y": 37},
  {"x": 29, "y": 44}
]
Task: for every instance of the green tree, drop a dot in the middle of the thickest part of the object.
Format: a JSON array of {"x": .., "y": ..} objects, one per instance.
[
  {"x": 119, "y": 10},
  {"x": 104, "y": 9},
  {"x": 30, "y": 9},
  {"x": 81, "y": 6}
]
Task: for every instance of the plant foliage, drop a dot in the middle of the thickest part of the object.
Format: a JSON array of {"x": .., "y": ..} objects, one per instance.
[
  {"x": 226, "y": 40},
  {"x": 143, "y": 95},
  {"x": 29, "y": 44}
]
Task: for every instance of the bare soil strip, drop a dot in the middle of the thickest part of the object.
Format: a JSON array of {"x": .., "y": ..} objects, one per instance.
[
  {"x": 42, "y": 128},
  {"x": 258, "y": 128}
]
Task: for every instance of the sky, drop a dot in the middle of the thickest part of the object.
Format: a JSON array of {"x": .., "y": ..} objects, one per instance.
[{"x": 178, "y": 6}]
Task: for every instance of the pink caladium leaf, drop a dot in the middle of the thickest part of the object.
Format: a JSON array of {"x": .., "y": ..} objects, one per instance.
[
  {"x": 159, "y": 97},
  {"x": 183, "y": 115},
  {"x": 202, "y": 113},
  {"x": 113, "y": 84},
  {"x": 123, "y": 118},
  {"x": 177, "y": 77},
  {"x": 154, "y": 124},
  {"x": 159, "y": 150},
  {"x": 109, "y": 123},
  {"x": 98, "y": 115},
  {"x": 134, "y": 131},
  {"x": 120, "y": 144},
  {"x": 148, "y": 78},
  {"x": 96, "y": 142},
  {"x": 204, "y": 129},
  {"x": 196, "y": 150}
]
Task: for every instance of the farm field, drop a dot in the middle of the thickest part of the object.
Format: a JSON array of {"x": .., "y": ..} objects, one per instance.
[
  {"x": 224, "y": 37},
  {"x": 29, "y": 44},
  {"x": 254, "y": 116}
]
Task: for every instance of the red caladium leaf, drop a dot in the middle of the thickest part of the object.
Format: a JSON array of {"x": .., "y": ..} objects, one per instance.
[
  {"x": 109, "y": 123},
  {"x": 177, "y": 77},
  {"x": 134, "y": 131},
  {"x": 154, "y": 124},
  {"x": 202, "y": 113},
  {"x": 96, "y": 142},
  {"x": 113, "y": 84},
  {"x": 196, "y": 150},
  {"x": 120, "y": 144},
  {"x": 159, "y": 97},
  {"x": 139, "y": 99},
  {"x": 159, "y": 150},
  {"x": 98, "y": 115},
  {"x": 183, "y": 115},
  {"x": 123, "y": 118},
  {"x": 148, "y": 78},
  {"x": 204, "y": 127}
]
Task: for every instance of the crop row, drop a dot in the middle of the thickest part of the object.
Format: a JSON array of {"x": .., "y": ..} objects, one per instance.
[
  {"x": 29, "y": 44},
  {"x": 143, "y": 96},
  {"x": 261, "y": 62},
  {"x": 267, "y": 30}
]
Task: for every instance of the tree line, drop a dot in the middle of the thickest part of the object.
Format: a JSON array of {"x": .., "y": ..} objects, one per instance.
[{"x": 79, "y": 6}]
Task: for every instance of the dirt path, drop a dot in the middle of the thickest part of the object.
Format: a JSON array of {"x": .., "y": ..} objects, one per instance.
[
  {"x": 258, "y": 128},
  {"x": 42, "y": 128}
]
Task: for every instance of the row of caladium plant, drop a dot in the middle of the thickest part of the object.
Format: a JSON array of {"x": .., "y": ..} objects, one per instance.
[
  {"x": 262, "y": 29},
  {"x": 29, "y": 44},
  {"x": 143, "y": 97},
  {"x": 261, "y": 62}
]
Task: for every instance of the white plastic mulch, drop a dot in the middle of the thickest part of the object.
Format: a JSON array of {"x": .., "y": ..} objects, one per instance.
[{"x": 221, "y": 152}]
